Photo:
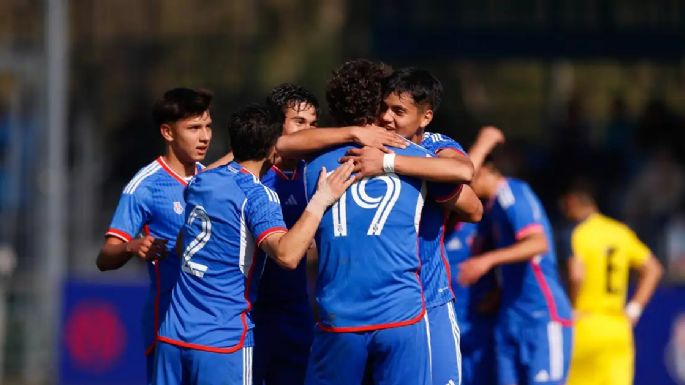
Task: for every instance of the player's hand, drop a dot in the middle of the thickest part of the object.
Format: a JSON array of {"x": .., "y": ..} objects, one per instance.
[
  {"x": 471, "y": 270},
  {"x": 377, "y": 137},
  {"x": 147, "y": 248},
  {"x": 332, "y": 187},
  {"x": 491, "y": 135},
  {"x": 368, "y": 161}
]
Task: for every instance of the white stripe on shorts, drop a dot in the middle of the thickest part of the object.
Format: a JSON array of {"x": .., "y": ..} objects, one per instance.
[
  {"x": 555, "y": 339},
  {"x": 457, "y": 336}
]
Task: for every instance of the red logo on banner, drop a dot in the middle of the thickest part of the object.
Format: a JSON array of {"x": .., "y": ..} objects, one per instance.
[{"x": 95, "y": 337}]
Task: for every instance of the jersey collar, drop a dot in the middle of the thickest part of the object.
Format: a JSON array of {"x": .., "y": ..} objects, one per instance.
[{"x": 173, "y": 173}]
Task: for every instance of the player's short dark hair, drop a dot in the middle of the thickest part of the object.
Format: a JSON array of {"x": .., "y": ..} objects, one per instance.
[
  {"x": 355, "y": 92},
  {"x": 582, "y": 188},
  {"x": 253, "y": 131},
  {"x": 288, "y": 95},
  {"x": 180, "y": 103},
  {"x": 424, "y": 88}
]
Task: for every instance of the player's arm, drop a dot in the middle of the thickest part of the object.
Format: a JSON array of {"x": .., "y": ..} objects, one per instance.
[
  {"x": 226, "y": 159},
  {"x": 649, "y": 275},
  {"x": 488, "y": 138},
  {"x": 524, "y": 249},
  {"x": 288, "y": 248},
  {"x": 465, "y": 204},
  {"x": 371, "y": 162},
  {"x": 302, "y": 143},
  {"x": 116, "y": 252},
  {"x": 576, "y": 276}
]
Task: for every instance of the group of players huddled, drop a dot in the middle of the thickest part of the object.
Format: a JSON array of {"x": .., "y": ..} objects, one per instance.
[{"x": 432, "y": 267}]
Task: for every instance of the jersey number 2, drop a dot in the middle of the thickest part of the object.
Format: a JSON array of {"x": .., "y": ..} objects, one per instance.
[{"x": 200, "y": 240}]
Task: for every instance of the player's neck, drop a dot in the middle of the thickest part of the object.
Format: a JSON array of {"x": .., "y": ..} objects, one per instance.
[
  {"x": 417, "y": 138},
  {"x": 587, "y": 213},
  {"x": 181, "y": 168},
  {"x": 257, "y": 167},
  {"x": 287, "y": 164}
]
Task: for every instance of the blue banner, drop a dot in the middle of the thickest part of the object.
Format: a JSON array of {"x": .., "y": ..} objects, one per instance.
[
  {"x": 660, "y": 339},
  {"x": 101, "y": 340}
]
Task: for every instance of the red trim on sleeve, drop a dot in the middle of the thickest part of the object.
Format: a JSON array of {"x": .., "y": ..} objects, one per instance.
[
  {"x": 268, "y": 232},
  {"x": 455, "y": 193},
  {"x": 450, "y": 148},
  {"x": 530, "y": 229},
  {"x": 547, "y": 293},
  {"x": 124, "y": 236}
]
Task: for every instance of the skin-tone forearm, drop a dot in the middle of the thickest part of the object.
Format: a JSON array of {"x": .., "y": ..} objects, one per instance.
[
  {"x": 488, "y": 138},
  {"x": 524, "y": 249},
  {"x": 306, "y": 142},
  {"x": 441, "y": 169},
  {"x": 466, "y": 207},
  {"x": 650, "y": 274},
  {"x": 226, "y": 159},
  {"x": 115, "y": 252},
  {"x": 113, "y": 255},
  {"x": 287, "y": 249}
]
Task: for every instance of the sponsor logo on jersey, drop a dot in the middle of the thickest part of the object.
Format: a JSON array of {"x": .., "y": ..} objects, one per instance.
[{"x": 178, "y": 207}]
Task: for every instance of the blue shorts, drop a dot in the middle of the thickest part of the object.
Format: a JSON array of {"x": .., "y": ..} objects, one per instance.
[
  {"x": 283, "y": 338},
  {"x": 478, "y": 351},
  {"x": 395, "y": 356},
  {"x": 445, "y": 354},
  {"x": 533, "y": 353},
  {"x": 176, "y": 365}
]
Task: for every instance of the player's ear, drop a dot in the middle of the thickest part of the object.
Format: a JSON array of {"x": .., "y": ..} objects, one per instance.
[
  {"x": 426, "y": 117},
  {"x": 167, "y": 132}
]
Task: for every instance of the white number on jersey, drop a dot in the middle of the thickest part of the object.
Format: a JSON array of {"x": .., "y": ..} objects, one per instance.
[
  {"x": 197, "y": 243},
  {"x": 382, "y": 204}
]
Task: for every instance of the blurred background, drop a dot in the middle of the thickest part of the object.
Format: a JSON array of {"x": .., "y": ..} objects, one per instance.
[{"x": 580, "y": 87}]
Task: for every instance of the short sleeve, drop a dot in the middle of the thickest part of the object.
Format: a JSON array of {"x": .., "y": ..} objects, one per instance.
[
  {"x": 440, "y": 142},
  {"x": 522, "y": 210},
  {"x": 638, "y": 252},
  {"x": 129, "y": 217},
  {"x": 263, "y": 213}
]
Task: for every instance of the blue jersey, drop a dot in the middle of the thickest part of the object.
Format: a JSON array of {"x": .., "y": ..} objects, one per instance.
[
  {"x": 229, "y": 213},
  {"x": 368, "y": 249},
  {"x": 465, "y": 240},
  {"x": 279, "y": 286},
  {"x": 435, "y": 269},
  {"x": 531, "y": 290},
  {"x": 153, "y": 203}
]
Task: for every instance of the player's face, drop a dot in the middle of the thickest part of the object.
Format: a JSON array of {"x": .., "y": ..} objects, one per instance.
[
  {"x": 570, "y": 206},
  {"x": 299, "y": 117},
  {"x": 399, "y": 113},
  {"x": 190, "y": 137}
]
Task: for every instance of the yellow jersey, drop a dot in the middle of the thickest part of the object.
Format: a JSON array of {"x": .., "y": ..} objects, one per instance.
[{"x": 607, "y": 249}]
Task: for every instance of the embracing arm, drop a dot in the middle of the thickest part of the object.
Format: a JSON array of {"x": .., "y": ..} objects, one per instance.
[
  {"x": 522, "y": 250},
  {"x": 116, "y": 252},
  {"x": 287, "y": 249},
  {"x": 305, "y": 142}
]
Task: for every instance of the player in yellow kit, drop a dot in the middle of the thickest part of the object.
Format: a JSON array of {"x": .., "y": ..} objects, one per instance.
[{"x": 604, "y": 251}]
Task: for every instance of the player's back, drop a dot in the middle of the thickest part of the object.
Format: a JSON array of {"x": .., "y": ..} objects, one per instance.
[
  {"x": 607, "y": 250},
  {"x": 211, "y": 300},
  {"x": 530, "y": 290},
  {"x": 368, "y": 250}
]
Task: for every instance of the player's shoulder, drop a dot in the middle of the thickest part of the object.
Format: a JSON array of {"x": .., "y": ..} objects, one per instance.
[
  {"x": 145, "y": 177},
  {"x": 414, "y": 149},
  {"x": 436, "y": 141}
]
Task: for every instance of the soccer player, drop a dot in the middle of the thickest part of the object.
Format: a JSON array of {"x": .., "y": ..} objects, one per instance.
[
  {"x": 533, "y": 332},
  {"x": 206, "y": 336},
  {"x": 475, "y": 305},
  {"x": 284, "y": 324},
  {"x": 604, "y": 250},
  {"x": 371, "y": 314},
  {"x": 152, "y": 203}
]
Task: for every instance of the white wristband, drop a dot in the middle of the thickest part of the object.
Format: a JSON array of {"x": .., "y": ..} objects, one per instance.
[
  {"x": 389, "y": 163},
  {"x": 633, "y": 310}
]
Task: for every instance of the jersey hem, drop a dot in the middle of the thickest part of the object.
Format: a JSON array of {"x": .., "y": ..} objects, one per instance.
[{"x": 349, "y": 329}]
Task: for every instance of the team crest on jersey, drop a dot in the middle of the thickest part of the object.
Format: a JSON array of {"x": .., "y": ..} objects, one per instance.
[{"x": 178, "y": 207}]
